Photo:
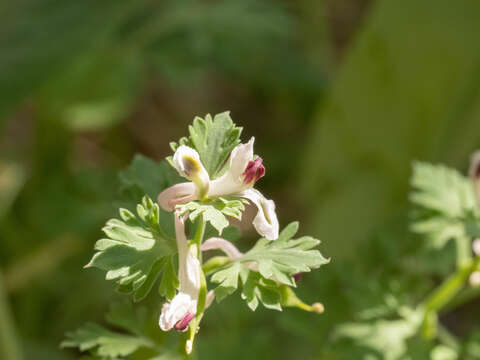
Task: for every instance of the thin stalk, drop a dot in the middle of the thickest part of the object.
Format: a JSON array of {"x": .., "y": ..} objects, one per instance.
[
  {"x": 443, "y": 295},
  {"x": 9, "y": 346}
]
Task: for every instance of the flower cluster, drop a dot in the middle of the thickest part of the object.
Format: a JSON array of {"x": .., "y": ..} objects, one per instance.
[
  {"x": 237, "y": 181},
  {"x": 237, "y": 178},
  {"x": 221, "y": 173}
]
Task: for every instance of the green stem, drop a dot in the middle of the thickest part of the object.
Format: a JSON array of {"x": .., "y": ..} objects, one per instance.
[
  {"x": 463, "y": 297},
  {"x": 444, "y": 294},
  {"x": 450, "y": 287},
  {"x": 202, "y": 296},
  {"x": 9, "y": 346}
]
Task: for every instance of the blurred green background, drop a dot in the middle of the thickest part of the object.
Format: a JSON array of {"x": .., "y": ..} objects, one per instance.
[{"x": 341, "y": 96}]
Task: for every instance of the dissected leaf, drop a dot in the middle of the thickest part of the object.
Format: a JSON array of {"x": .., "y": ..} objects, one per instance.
[
  {"x": 282, "y": 258},
  {"x": 133, "y": 248},
  {"x": 441, "y": 189},
  {"x": 104, "y": 342},
  {"x": 258, "y": 289},
  {"x": 214, "y": 211},
  {"x": 214, "y": 139},
  {"x": 276, "y": 261},
  {"x": 386, "y": 337},
  {"x": 446, "y": 203}
]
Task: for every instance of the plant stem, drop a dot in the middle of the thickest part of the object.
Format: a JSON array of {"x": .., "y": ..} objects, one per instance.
[
  {"x": 444, "y": 294},
  {"x": 9, "y": 347}
]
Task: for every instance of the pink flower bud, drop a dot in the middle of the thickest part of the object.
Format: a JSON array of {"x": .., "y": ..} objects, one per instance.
[
  {"x": 254, "y": 171},
  {"x": 182, "y": 324},
  {"x": 297, "y": 277}
]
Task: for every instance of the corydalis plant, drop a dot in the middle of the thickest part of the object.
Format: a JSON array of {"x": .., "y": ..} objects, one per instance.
[{"x": 141, "y": 249}]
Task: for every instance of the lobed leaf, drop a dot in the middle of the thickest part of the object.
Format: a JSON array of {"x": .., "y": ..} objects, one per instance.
[
  {"x": 214, "y": 211},
  {"x": 276, "y": 262},
  {"x": 135, "y": 251},
  {"x": 105, "y": 342},
  {"x": 214, "y": 139}
]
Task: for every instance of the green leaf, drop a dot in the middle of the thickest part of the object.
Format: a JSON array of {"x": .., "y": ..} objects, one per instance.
[
  {"x": 105, "y": 342},
  {"x": 282, "y": 258},
  {"x": 445, "y": 203},
  {"x": 169, "y": 283},
  {"x": 146, "y": 177},
  {"x": 124, "y": 316},
  {"x": 215, "y": 211},
  {"x": 386, "y": 337},
  {"x": 258, "y": 289},
  {"x": 227, "y": 280},
  {"x": 442, "y": 189},
  {"x": 133, "y": 249},
  {"x": 277, "y": 261},
  {"x": 214, "y": 139}
]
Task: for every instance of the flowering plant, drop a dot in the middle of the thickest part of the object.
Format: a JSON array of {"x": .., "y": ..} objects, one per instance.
[{"x": 167, "y": 243}]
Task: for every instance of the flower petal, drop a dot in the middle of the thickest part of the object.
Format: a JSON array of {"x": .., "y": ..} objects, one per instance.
[
  {"x": 188, "y": 264},
  {"x": 184, "y": 304},
  {"x": 266, "y": 222},
  {"x": 233, "y": 180},
  {"x": 176, "y": 310},
  {"x": 227, "y": 247},
  {"x": 188, "y": 164},
  {"x": 177, "y": 194}
]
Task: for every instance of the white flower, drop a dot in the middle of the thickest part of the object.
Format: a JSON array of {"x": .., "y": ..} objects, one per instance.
[
  {"x": 238, "y": 180},
  {"x": 181, "y": 310}
]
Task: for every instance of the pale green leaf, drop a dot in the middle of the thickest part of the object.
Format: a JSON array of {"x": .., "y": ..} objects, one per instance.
[
  {"x": 133, "y": 249},
  {"x": 105, "y": 342},
  {"x": 277, "y": 261},
  {"x": 214, "y": 211},
  {"x": 441, "y": 189},
  {"x": 214, "y": 139},
  {"x": 282, "y": 258}
]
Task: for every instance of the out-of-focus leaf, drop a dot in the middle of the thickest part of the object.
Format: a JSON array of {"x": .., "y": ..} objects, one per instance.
[
  {"x": 104, "y": 342},
  {"x": 442, "y": 189},
  {"x": 12, "y": 177},
  {"x": 39, "y": 38},
  {"x": 392, "y": 102},
  {"x": 96, "y": 91},
  {"x": 387, "y": 339}
]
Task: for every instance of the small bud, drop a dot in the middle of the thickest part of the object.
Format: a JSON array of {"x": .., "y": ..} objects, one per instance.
[
  {"x": 182, "y": 324},
  {"x": 297, "y": 277},
  {"x": 474, "y": 279},
  {"x": 189, "y": 347},
  {"x": 318, "y": 308},
  {"x": 476, "y": 246},
  {"x": 254, "y": 171}
]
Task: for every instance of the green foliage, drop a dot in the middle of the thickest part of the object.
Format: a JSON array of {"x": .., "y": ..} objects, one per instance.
[
  {"x": 146, "y": 177},
  {"x": 281, "y": 258},
  {"x": 105, "y": 342},
  {"x": 214, "y": 139},
  {"x": 276, "y": 261},
  {"x": 135, "y": 251},
  {"x": 387, "y": 339},
  {"x": 445, "y": 199},
  {"x": 215, "y": 211}
]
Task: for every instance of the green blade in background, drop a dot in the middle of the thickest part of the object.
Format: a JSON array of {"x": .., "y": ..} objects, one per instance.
[{"x": 408, "y": 89}]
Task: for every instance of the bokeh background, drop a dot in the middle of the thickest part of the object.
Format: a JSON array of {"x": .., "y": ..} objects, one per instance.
[{"x": 341, "y": 95}]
